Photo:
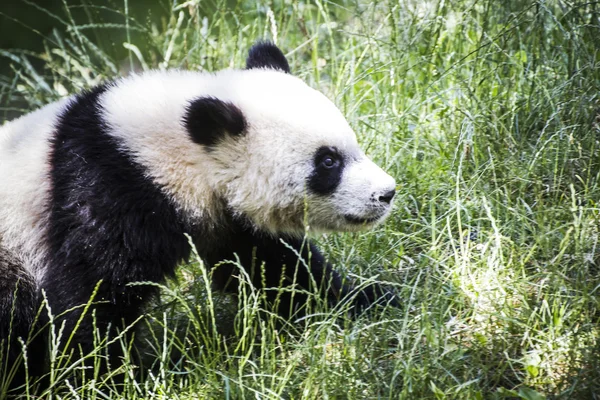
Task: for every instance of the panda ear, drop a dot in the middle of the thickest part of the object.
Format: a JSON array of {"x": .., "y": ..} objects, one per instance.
[
  {"x": 267, "y": 55},
  {"x": 208, "y": 120}
]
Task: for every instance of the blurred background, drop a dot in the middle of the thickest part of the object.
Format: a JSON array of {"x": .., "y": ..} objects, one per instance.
[
  {"x": 24, "y": 24},
  {"x": 94, "y": 34}
]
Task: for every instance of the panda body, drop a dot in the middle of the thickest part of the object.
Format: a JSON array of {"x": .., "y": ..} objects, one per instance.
[{"x": 98, "y": 190}]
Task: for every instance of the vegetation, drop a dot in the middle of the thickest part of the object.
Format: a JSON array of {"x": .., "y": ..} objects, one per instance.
[{"x": 486, "y": 112}]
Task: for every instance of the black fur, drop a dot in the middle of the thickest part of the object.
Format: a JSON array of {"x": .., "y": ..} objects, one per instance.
[
  {"x": 108, "y": 223},
  {"x": 277, "y": 255},
  {"x": 18, "y": 305},
  {"x": 273, "y": 262},
  {"x": 208, "y": 119},
  {"x": 267, "y": 55},
  {"x": 326, "y": 178}
]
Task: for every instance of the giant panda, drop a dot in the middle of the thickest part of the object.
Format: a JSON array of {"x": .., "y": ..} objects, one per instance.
[{"x": 99, "y": 190}]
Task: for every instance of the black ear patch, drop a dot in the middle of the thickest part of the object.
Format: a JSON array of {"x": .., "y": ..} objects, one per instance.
[
  {"x": 267, "y": 55},
  {"x": 208, "y": 120}
]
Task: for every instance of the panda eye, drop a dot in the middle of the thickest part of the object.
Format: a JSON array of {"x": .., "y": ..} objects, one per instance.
[
  {"x": 328, "y": 162},
  {"x": 328, "y": 158}
]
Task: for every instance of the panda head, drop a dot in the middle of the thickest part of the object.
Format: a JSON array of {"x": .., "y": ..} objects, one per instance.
[{"x": 282, "y": 155}]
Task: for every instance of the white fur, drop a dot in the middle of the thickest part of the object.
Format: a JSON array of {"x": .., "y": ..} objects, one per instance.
[{"x": 24, "y": 187}]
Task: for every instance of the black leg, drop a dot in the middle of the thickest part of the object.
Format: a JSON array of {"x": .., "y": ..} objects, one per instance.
[
  {"x": 273, "y": 262},
  {"x": 18, "y": 305}
]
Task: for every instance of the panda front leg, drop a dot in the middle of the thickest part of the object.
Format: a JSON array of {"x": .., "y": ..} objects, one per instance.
[
  {"x": 312, "y": 268},
  {"x": 287, "y": 262}
]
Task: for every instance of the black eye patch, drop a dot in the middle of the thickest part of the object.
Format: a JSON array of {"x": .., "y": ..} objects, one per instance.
[{"x": 328, "y": 165}]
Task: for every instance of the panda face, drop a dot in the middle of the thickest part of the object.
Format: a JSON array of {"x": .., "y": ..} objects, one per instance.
[
  {"x": 311, "y": 178},
  {"x": 347, "y": 191},
  {"x": 297, "y": 164}
]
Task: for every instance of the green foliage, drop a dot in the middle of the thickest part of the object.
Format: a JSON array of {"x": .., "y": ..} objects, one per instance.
[{"x": 486, "y": 112}]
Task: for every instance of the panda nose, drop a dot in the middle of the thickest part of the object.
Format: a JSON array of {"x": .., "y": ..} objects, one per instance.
[{"x": 387, "y": 196}]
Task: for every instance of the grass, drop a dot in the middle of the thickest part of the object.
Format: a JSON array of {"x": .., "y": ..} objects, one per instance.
[{"x": 487, "y": 113}]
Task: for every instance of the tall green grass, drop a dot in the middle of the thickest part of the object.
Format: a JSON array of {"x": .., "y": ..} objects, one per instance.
[{"x": 486, "y": 112}]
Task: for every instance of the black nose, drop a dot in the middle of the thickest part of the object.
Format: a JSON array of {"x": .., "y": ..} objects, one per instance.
[{"x": 387, "y": 196}]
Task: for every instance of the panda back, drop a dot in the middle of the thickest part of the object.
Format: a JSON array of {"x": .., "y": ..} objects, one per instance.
[{"x": 24, "y": 188}]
